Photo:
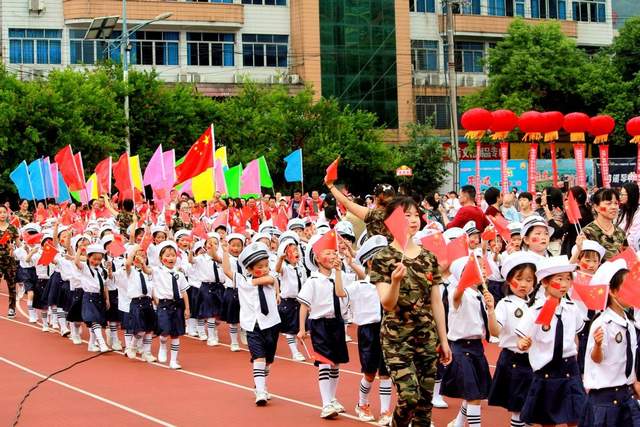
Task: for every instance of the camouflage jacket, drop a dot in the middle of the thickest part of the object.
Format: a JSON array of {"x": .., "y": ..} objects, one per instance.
[
  {"x": 375, "y": 223},
  {"x": 178, "y": 224},
  {"x": 124, "y": 220},
  {"x": 613, "y": 244},
  {"x": 25, "y": 218},
  {"x": 413, "y": 316},
  {"x": 6, "y": 250}
]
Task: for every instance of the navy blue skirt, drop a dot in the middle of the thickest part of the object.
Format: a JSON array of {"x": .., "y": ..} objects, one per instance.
[
  {"x": 64, "y": 295},
  {"x": 289, "y": 310},
  {"x": 556, "y": 395},
  {"x": 26, "y": 276},
  {"x": 328, "y": 339},
  {"x": 467, "y": 376},
  {"x": 93, "y": 309},
  {"x": 142, "y": 316},
  {"x": 230, "y": 306},
  {"x": 170, "y": 318},
  {"x": 53, "y": 289},
  {"x": 370, "y": 350},
  {"x": 113, "y": 314},
  {"x": 611, "y": 407},
  {"x": 194, "y": 300},
  {"x": 263, "y": 343},
  {"x": 511, "y": 381},
  {"x": 74, "y": 308},
  {"x": 210, "y": 300},
  {"x": 39, "y": 295}
]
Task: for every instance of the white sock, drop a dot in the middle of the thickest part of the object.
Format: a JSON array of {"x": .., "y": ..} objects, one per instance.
[
  {"x": 324, "y": 381},
  {"x": 365, "y": 388},
  {"x": 32, "y": 311},
  {"x": 137, "y": 342},
  {"x": 385, "y": 394},
  {"x": 200, "y": 327},
  {"x": 212, "y": 328},
  {"x": 515, "y": 420},
  {"x": 147, "y": 343},
  {"x": 259, "y": 376},
  {"x": 97, "y": 330},
  {"x": 436, "y": 389},
  {"x": 473, "y": 415},
  {"x": 128, "y": 340},
  {"x": 74, "y": 329},
  {"x": 62, "y": 318},
  {"x": 54, "y": 315},
  {"x": 462, "y": 415},
  {"x": 191, "y": 324},
  {"x": 44, "y": 316},
  {"x": 293, "y": 346},
  {"x": 233, "y": 333},
  {"x": 163, "y": 343},
  {"x": 113, "y": 332},
  {"x": 334, "y": 376},
  {"x": 175, "y": 347},
  {"x": 92, "y": 338}
]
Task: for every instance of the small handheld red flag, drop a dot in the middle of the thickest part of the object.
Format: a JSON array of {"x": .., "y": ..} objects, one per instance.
[
  {"x": 547, "y": 311},
  {"x": 32, "y": 239},
  {"x": 146, "y": 241},
  {"x": 489, "y": 233},
  {"x": 435, "y": 243},
  {"x": 572, "y": 209},
  {"x": 398, "y": 226},
  {"x": 281, "y": 219},
  {"x": 332, "y": 171},
  {"x": 629, "y": 292},
  {"x": 315, "y": 356},
  {"x": 594, "y": 297},
  {"x": 457, "y": 248},
  {"x": 116, "y": 247},
  {"x": 502, "y": 227},
  {"x": 15, "y": 221},
  {"x": 328, "y": 241},
  {"x": 470, "y": 276},
  {"x": 199, "y": 230},
  {"x": 629, "y": 255},
  {"x": 49, "y": 253}
]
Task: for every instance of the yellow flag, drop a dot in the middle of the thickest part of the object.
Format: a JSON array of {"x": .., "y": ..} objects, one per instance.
[
  {"x": 221, "y": 154},
  {"x": 92, "y": 187},
  {"x": 202, "y": 186},
  {"x": 136, "y": 173}
]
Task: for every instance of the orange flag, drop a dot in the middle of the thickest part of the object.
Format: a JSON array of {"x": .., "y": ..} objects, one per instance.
[
  {"x": 49, "y": 252},
  {"x": 332, "y": 171},
  {"x": 398, "y": 226}
]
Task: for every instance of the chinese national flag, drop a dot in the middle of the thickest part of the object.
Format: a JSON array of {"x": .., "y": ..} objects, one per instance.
[
  {"x": 67, "y": 167},
  {"x": 328, "y": 241},
  {"x": 471, "y": 275},
  {"x": 593, "y": 296},
  {"x": 49, "y": 252},
  {"x": 489, "y": 233},
  {"x": 502, "y": 227},
  {"x": 629, "y": 292},
  {"x": 435, "y": 244},
  {"x": 103, "y": 172},
  {"x": 572, "y": 209},
  {"x": 199, "y": 158},
  {"x": 199, "y": 230},
  {"x": 116, "y": 247},
  {"x": 122, "y": 176},
  {"x": 32, "y": 239},
  {"x": 398, "y": 226},
  {"x": 457, "y": 248},
  {"x": 629, "y": 255},
  {"x": 547, "y": 311},
  {"x": 332, "y": 171}
]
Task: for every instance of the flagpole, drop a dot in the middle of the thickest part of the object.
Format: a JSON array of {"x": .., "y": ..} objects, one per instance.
[
  {"x": 33, "y": 196},
  {"x": 484, "y": 284}
]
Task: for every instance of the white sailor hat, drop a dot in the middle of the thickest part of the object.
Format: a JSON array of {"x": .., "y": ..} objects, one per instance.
[
  {"x": 309, "y": 256},
  {"x": 47, "y": 235},
  {"x": 106, "y": 240},
  {"x": 167, "y": 244},
  {"x": 157, "y": 229},
  {"x": 370, "y": 247},
  {"x": 252, "y": 254},
  {"x": 534, "y": 221},
  {"x": 33, "y": 227},
  {"x": 213, "y": 235},
  {"x": 515, "y": 259},
  {"x": 452, "y": 233},
  {"x": 363, "y": 238},
  {"x": 181, "y": 233},
  {"x": 322, "y": 228},
  {"x": 590, "y": 245},
  {"x": 295, "y": 224},
  {"x": 106, "y": 228},
  {"x": 265, "y": 225},
  {"x": 282, "y": 246},
  {"x": 256, "y": 237},
  {"x": 289, "y": 235},
  {"x": 198, "y": 245},
  {"x": 95, "y": 249},
  {"x": 548, "y": 266},
  {"x": 515, "y": 227},
  {"x": 238, "y": 236},
  {"x": 607, "y": 270},
  {"x": 345, "y": 228},
  {"x": 76, "y": 239},
  {"x": 417, "y": 238},
  {"x": 470, "y": 228}
]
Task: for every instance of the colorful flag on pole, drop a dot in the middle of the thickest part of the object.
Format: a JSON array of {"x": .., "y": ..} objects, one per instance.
[
  {"x": 232, "y": 179},
  {"x": 103, "y": 175},
  {"x": 122, "y": 177},
  {"x": 221, "y": 154},
  {"x": 398, "y": 226},
  {"x": 136, "y": 172},
  {"x": 67, "y": 167},
  {"x": 203, "y": 186},
  {"x": 293, "y": 170},
  {"x": 54, "y": 179},
  {"x": 221, "y": 184},
  {"x": 63, "y": 190},
  {"x": 250, "y": 180},
  {"x": 265, "y": 176},
  {"x": 199, "y": 158},
  {"x": 154, "y": 174},
  {"x": 46, "y": 177},
  {"x": 20, "y": 178},
  {"x": 332, "y": 171},
  {"x": 37, "y": 183}
]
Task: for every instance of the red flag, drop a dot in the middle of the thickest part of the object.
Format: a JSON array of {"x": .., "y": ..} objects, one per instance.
[
  {"x": 199, "y": 230},
  {"x": 502, "y": 227},
  {"x": 32, "y": 239},
  {"x": 332, "y": 171},
  {"x": 67, "y": 218},
  {"x": 42, "y": 214},
  {"x": 471, "y": 274},
  {"x": 15, "y": 221},
  {"x": 103, "y": 173},
  {"x": 629, "y": 292},
  {"x": 489, "y": 233},
  {"x": 328, "y": 241},
  {"x": 77, "y": 158},
  {"x": 457, "y": 248},
  {"x": 398, "y": 226},
  {"x": 67, "y": 167},
  {"x": 116, "y": 247},
  {"x": 280, "y": 220},
  {"x": 629, "y": 255},
  {"x": 572, "y": 209},
  {"x": 593, "y": 296},
  {"x": 78, "y": 226},
  {"x": 146, "y": 241},
  {"x": 547, "y": 311},
  {"x": 49, "y": 252},
  {"x": 198, "y": 159},
  {"x": 122, "y": 176},
  {"x": 5, "y": 238},
  {"x": 435, "y": 243}
]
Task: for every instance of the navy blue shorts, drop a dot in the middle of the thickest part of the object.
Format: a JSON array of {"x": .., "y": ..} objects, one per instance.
[
  {"x": 328, "y": 339},
  {"x": 210, "y": 300},
  {"x": 370, "y": 350},
  {"x": 289, "y": 310},
  {"x": 467, "y": 376},
  {"x": 230, "y": 306},
  {"x": 170, "y": 318},
  {"x": 511, "y": 381},
  {"x": 263, "y": 343}
]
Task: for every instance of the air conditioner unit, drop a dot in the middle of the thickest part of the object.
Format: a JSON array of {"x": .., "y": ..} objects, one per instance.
[
  {"x": 183, "y": 77},
  {"x": 294, "y": 79},
  {"x": 194, "y": 77},
  {"x": 433, "y": 79},
  {"x": 238, "y": 78},
  {"x": 36, "y": 5},
  {"x": 38, "y": 74},
  {"x": 469, "y": 81}
]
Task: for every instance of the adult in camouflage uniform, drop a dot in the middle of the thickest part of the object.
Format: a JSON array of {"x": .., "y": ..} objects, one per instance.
[
  {"x": 8, "y": 264},
  {"x": 24, "y": 214},
  {"x": 413, "y": 325},
  {"x": 603, "y": 229},
  {"x": 178, "y": 223}
]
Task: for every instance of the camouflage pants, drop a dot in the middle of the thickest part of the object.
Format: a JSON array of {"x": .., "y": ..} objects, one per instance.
[
  {"x": 8, "y": 268},
  {"x": 412, "y": 367}
]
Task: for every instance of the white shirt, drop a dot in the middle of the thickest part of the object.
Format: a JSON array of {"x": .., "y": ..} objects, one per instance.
[
  {"x": 134, "y": 284},
  {"x": 20, "y": 254},
  {"x": 153, "y": 255},
  {"x": 117, "y": 265},
  {"x": 317, "y": 294},
  {"x": 509, "y": 311},
  {"x": 44, "y": 271},
  {"x": 250, "y": 313},
  {"x": 203, "y": 270},
  {"x": 365, "y": 302},
  {"x": 163, "y": 282},
  {"x": 89, "y": 278},
  {"x": 541, "y": 351},
  {"x": 611, "y": 371},
  {"x": 289, "y": 279},
  {"x": 235, "y": 268},
  {"x": 119, "y": 280},
  {"x": 466, "y": 321}
]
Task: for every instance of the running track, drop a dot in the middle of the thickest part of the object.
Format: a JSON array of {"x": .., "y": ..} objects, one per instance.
[{"x": 214, "y": 387}]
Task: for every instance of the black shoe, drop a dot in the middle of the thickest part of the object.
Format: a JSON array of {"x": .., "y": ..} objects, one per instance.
[{"x": 11, "y": 313}]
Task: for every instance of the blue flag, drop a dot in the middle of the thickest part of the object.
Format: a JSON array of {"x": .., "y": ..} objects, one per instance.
[
  {"x": 63, "y": 191},
  {"x": 46, "y": 177},
  {"x": 20, "y": 178},
  {"x": 293, "y": 171},
  {"x": 37, "y": 182}
]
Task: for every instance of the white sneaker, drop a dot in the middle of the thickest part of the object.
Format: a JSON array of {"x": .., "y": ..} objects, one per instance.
[
  {"x": 162, "y": 354},
  {"x": 130, "y": 353},
  {"x": 65, "y": 332},
  {"x": 438, "y": 402},
  {"x": 243, "y": 336},
  {"x": 364, "y": 413},
  {"x": 261, "y": 398},
  {"x": 116, "y": 346},
  {"x": 385, "y": 419},
  {"x": 174, "y": 365},
  {"x": 328, "y": 412},
  {"x": 202, "y": 337},
  {"x": 93, "y": 348},
  {"x": 104, "y": 348},
  {"x": 148, "y": 357},
  {"x": 299, "y": 357},
  {"x": 76, "y": 340},
  {"x": 33, "y": 318},
  {"x": 235, "y": 347},
  {"x": 140, "y": 349},
  {"x": 192, "y": 333},
  {"x": 337, "y": 405},
  {"x": 45, "y": 327},
  {"x": 494, "y": 340},
  {"x": 55, "y": 326},
  {"x": 212, "y": 341}
]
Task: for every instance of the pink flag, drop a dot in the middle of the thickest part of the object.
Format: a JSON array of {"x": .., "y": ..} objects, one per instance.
[
  {"x": 54, "y": 178},
  {"x": 169, "y": 159},
  {"x": 154, "y": 174},
  {"x": 221, "y": 184},
  {"x": 250, "y": 180}
]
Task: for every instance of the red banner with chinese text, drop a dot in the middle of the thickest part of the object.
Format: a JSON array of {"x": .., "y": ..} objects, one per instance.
[
  {"x": 578, "y": 154},
  {"x": 504, "y": 173},
  {"x": 554, "y": 164},
  {"x": 533, "y": 158},
  {"x": 604, "y": 165}
]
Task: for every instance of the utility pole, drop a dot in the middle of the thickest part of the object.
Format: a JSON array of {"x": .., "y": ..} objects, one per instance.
[
  {"x": 453, "y": 95},
  {"x": 124, "y": 55}
]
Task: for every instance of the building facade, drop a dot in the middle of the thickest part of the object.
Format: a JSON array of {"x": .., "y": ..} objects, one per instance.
[{"x": 385, "y": 56}]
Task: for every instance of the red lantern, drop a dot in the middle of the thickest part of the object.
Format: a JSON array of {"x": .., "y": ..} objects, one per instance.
[
  {"x": 476, "y": 121},
  {"x": 504, "y": 121},
  {"x": 551, "y": 123},
  {"x": 601, "y": 126},
  {"x": 576, "y": 124},
  {"x": 633, "y": 129},
  {"x": 531, "y": 124}
]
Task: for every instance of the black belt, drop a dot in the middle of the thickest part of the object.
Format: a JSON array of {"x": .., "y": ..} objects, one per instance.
[{"x": 141, "y": 299}]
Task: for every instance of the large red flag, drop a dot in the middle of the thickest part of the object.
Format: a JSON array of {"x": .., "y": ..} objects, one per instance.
[
  {"x": 594, "y": 297},
  {"x": 457, "y": 248},
  {"x": 547, "y": 311},
  {"x": 328, "y": 241},
  {"x": 67, "y": 167},
  {"x": 435, "y": 244},
  {"x": 572, "y": 209},
  {"x": 49, "y": 252},
  {"x": 502, "y": 226},
  {"x": 629, "y": 292},
  {"x": 471, "y": 275},
  {"x": 332, "y": 171},
  {"x": 77, "y": 158},
  {"x": 103, "y": 173},
  {"x": 122, "y": 176},
  {"x": 629, "y": 255},
  {"x": 398, "y": 226},
  {"x": 199, "y": 158}
]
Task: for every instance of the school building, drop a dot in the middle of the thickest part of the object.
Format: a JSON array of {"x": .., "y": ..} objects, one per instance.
[{"x": 385, "y": 56}]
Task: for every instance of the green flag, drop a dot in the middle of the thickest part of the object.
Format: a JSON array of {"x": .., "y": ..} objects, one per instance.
[
  {"x": 265, "y": 176},
  {"x": 232, "y": 178}
]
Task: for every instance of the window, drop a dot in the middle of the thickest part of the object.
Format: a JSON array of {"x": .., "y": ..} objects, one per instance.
[
  {"x": 468, "y": 57},
  {"x": 506, "y": 7},
  {"x": 32, "y": 46},
  {"x": 471, "y": 7},
  {"x": 589, "y": 11},
  {"x": 424, "y": 55},
  {"x": 264, "y": 50},
  {"x": 519, "y": 7},
  {"x": 91, "y": 51},
  {"x": 266, "y": 2},
  {"x": 552, "y": 9},
  {"x": 154, "y": 48},
  {"x": 214, "y": 49},
  {"x": 434, "y": 110},
  {"x": 422, "y": 6}
]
